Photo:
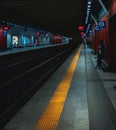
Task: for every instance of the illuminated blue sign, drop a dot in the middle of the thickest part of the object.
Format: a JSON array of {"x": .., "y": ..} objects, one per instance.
[
  {"x": 97, "y": 28},
  {"x": 102, "y": 24},
  {"x": 90, "y": 32},
  {"x": 4, "y": 32}
]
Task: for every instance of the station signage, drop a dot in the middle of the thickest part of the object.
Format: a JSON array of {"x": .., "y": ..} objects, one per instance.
[
  {"x": 97, "y": 28},
  {"x": 102, "y": 24}
]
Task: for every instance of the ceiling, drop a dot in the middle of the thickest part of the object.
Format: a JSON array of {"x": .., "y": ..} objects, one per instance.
[{"x": 57, "y": 16}]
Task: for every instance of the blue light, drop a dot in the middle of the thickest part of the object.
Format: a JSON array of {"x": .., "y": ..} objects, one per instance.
[
  {"x": 32, "y": 39},
  {"x": 97, "y": 28},
  {"x": 5, "y": 33},
  {"x": 24, "y": 40},
  {"x": 90, "y": 32},
  {"x": 8, "y": 39},
  {"x": 102, "y": 24}
]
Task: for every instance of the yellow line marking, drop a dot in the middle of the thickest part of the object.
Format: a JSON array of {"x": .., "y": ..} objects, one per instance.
[{"x": 49, "y": 119}]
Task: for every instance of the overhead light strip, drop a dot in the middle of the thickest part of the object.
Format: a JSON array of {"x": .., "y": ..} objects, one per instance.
[
  {"x": 88, "y": 10},
  {"x": 87, "y": 28}
]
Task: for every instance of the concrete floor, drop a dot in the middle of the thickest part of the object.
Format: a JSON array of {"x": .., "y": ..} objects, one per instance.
[{"x": 76, "y": 114}]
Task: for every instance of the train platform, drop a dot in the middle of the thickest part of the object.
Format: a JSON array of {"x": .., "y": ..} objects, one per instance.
[
  {"x": 22, "y": 49},
  {"x": 76, "y": 97}
]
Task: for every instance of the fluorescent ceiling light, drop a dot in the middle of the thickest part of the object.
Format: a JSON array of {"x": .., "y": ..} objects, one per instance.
[{"x": 89, "y": 2}]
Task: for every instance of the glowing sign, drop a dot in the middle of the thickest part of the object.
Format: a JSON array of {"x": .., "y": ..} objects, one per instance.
[
  {"x": 4, "y": 32},
  {"x": 97, "y": 28},
  {"x": 80, "y": 27},
  {"x": 82, "y": 33},
  {"x": 15, "y": 39},
  {"x": 102, "y": 24},
  {"x": 38, "y": 33},
  {"x": 6, "y": 28}
]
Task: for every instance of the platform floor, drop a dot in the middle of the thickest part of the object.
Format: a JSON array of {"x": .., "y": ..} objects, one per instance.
[
  {"x": 76, "y": 97},
  {"x": 17, "y": 50}
]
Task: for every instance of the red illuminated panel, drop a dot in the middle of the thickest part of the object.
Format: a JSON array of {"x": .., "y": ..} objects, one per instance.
[
  {"x": 82, "y": 33},
  {"x": 38, "y": 33},
  {"x": 6, "y": 28},
  {"x": 80, "y": 27}
]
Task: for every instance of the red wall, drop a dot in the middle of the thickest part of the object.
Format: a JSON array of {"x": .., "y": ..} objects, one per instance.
[
  {"x": 2, "y": 42},
  {"x": 113, "y": 7},
  {"x": 112, "y": 39},
  {"x": 108, "y": 34},
  {"x": 104, "y": 35},
  {"x": 112, "y": 35}
]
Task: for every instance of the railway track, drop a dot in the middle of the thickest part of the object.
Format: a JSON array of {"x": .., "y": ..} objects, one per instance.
[{"x": 21, "y": 78}]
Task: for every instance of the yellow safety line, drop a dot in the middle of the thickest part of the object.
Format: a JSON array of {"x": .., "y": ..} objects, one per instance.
[{"x": 50, "y": 117}]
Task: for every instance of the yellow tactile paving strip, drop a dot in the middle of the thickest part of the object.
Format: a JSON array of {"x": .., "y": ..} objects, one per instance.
[{"x": 50, "y": 117}]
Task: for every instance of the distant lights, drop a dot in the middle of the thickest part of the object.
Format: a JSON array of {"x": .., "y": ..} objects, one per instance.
[
  {"x": 38, "y": 33},
  {"x": 89, "y": 2},
  {"x": 88, "y": 11},
  {"x": 80, "y": 27},
  {"x": 82, "y": 33},
  {"x": 6, "y": 28}
]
